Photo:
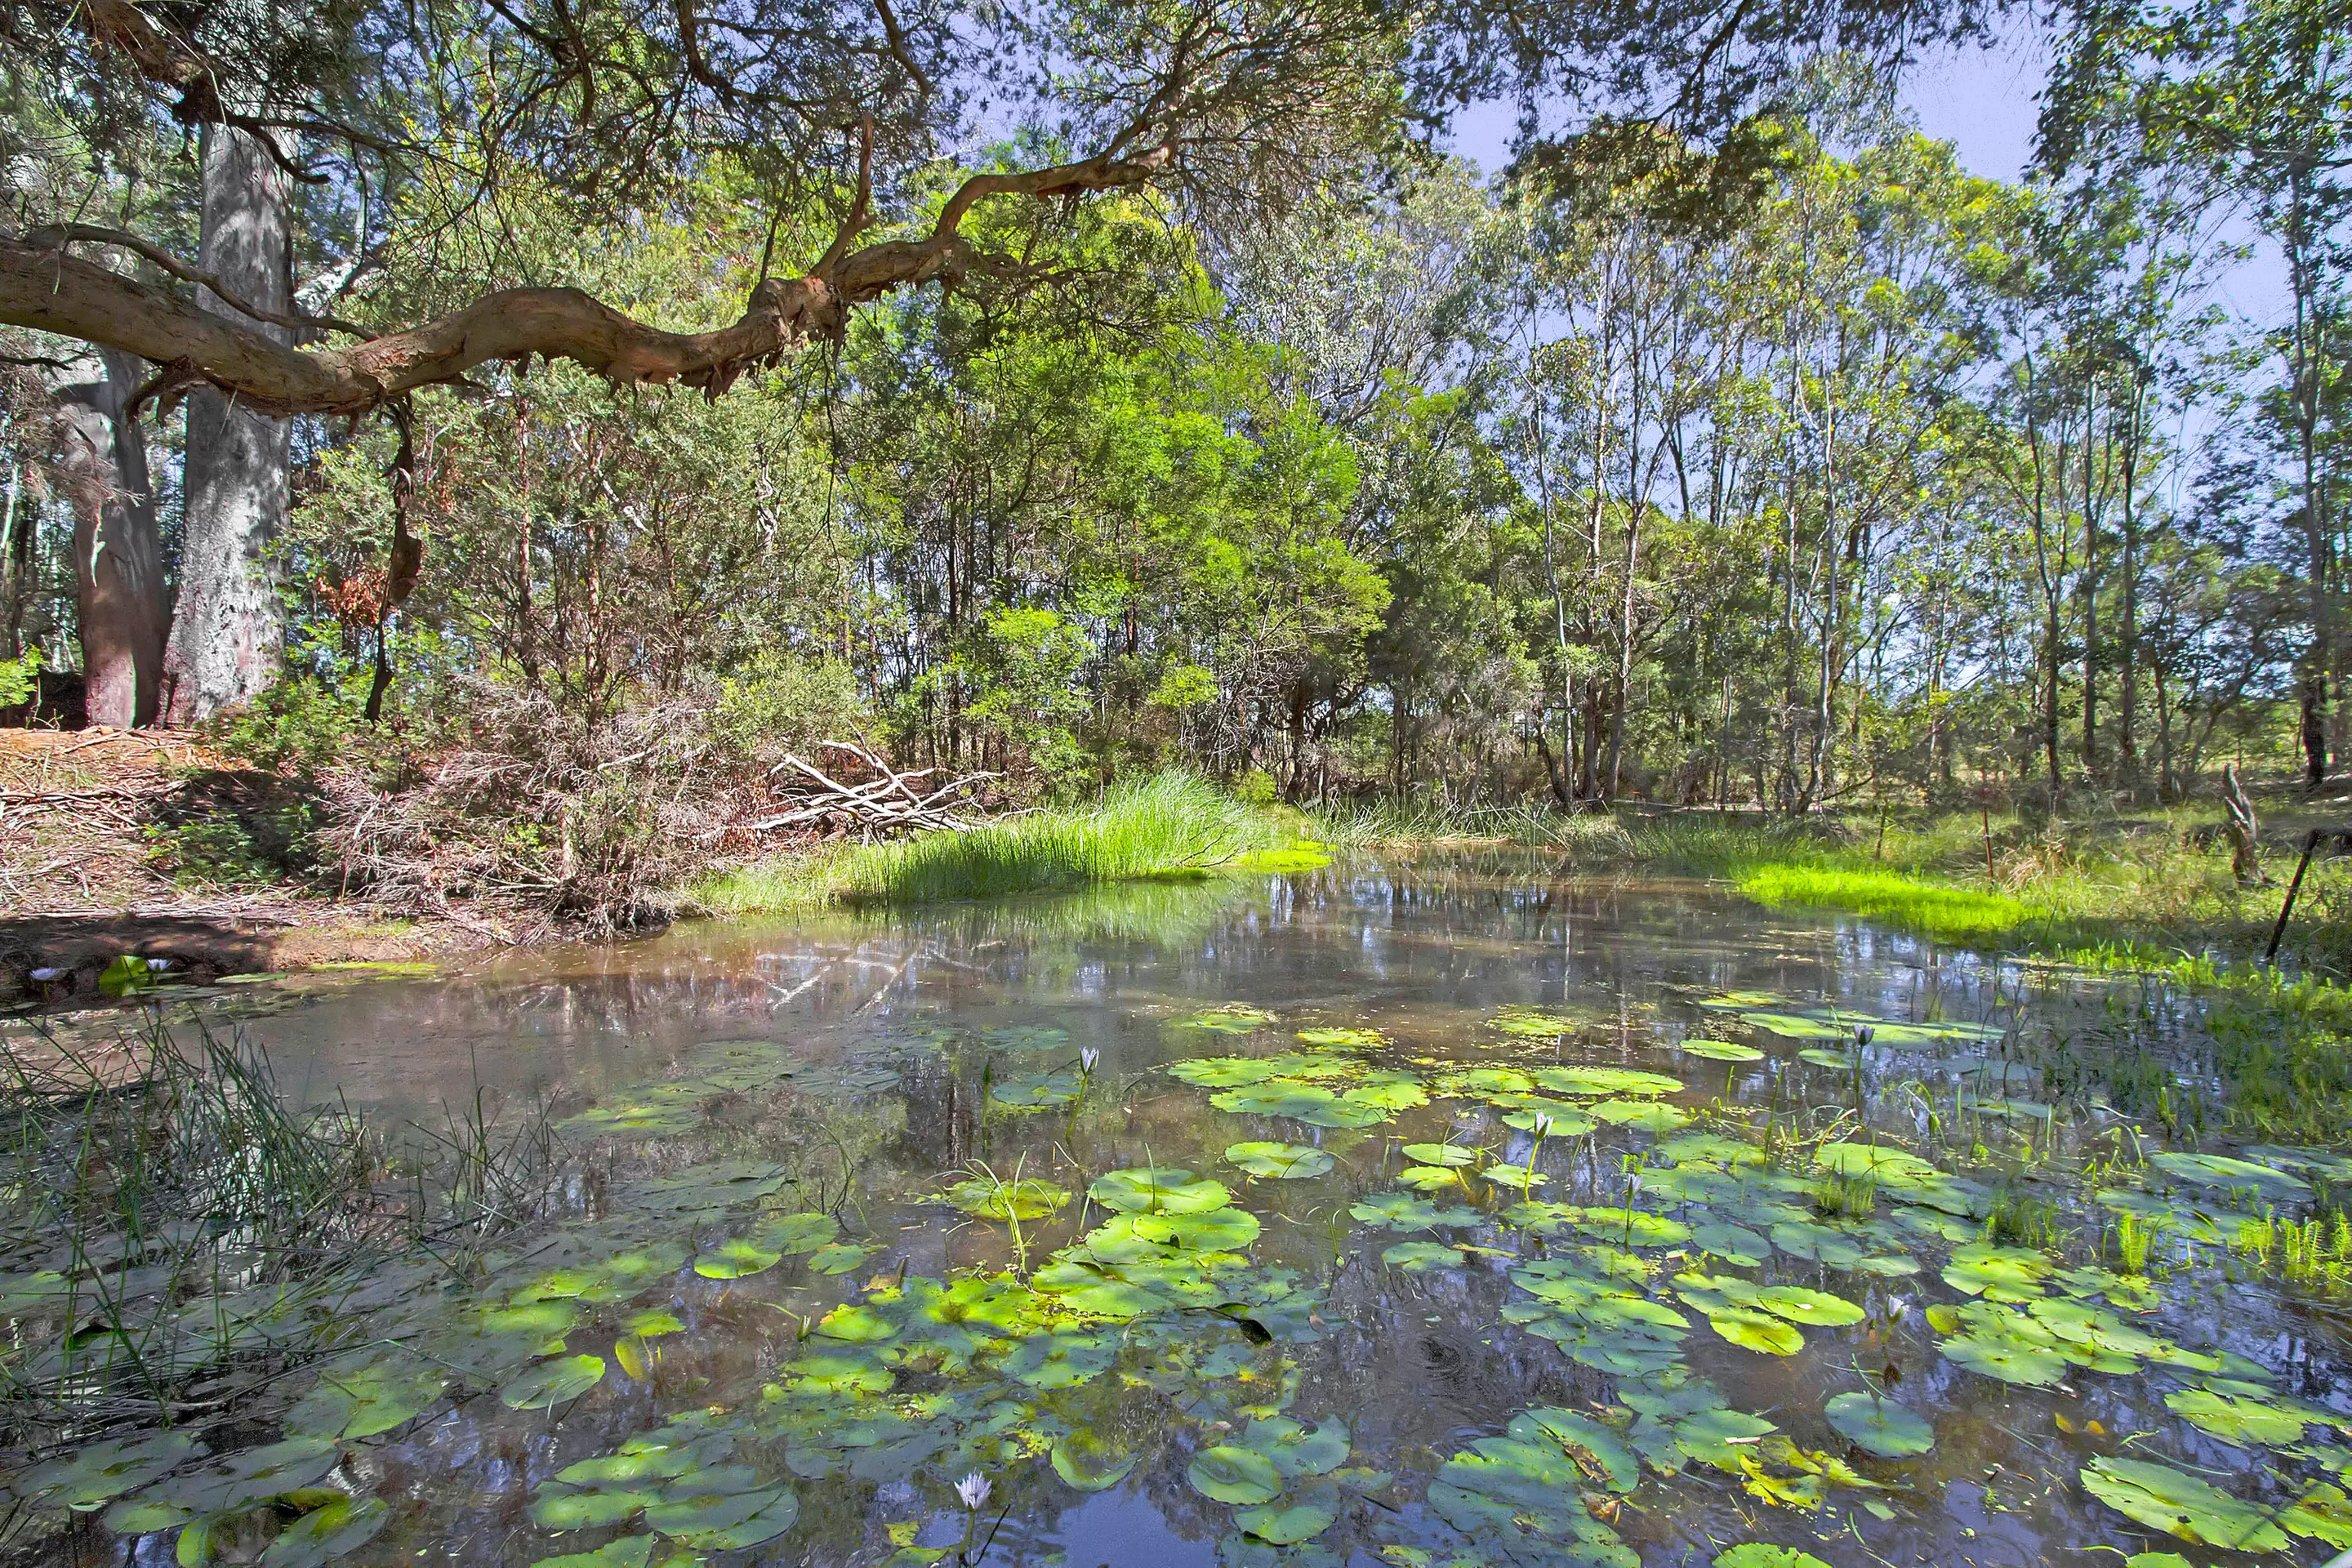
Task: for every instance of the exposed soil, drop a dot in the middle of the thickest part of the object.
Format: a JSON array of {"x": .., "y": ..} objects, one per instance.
[{"x": 89, "y": 869}]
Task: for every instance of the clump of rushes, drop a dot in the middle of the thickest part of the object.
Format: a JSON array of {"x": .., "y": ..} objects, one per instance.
[
  {"x": 2314, "y": 1254},
  {"x": 2017, "y": 1220},
  {"x": 1171, "y": 824},
  {"x": 1845, "y": 1196}
]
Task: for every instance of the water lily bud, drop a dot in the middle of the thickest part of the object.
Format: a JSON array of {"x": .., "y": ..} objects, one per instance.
[
  {"x": 1088, "y": 1057},
  {"x": 1862, "y": 1033},
  {"x": 1543, "y": 1123}
]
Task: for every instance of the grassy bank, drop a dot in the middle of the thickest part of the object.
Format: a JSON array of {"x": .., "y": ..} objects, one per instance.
[{"x": 1171, "y": 825}]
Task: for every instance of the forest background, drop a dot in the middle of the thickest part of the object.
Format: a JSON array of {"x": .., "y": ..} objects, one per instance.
[{"x": 1791, "y": 466}]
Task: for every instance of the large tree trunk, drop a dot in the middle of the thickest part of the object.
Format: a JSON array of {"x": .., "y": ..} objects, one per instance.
[
  {"x": 225, "y": 637},
  {"x": 118, "y": 556}
]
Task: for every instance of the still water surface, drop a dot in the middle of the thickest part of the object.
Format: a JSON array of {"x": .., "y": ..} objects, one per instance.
[{"x": 1347, "y": 1306}]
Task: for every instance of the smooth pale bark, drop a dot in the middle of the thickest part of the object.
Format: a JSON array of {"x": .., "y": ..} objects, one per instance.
[
  {"x": 118, "y": 555},
  {"x": 226, "y": 639}
]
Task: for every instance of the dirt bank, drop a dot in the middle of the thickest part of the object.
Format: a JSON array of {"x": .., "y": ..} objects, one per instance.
[{"x": 94, "y": 861}]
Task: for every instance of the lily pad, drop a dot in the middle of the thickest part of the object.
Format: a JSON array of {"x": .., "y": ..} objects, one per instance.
[
  {"x": 1718, "y": 1050},
  {"x": 1234, "y": 1475},
  {"x": 1444, "y": 1155},
  {"x": 1421, "y": 1256},
  {"x": 1619, "y": 1082},
  {"x": 1878, "y": 1425},
  {"x": 1285, "y": 1526},
  {"x": 1025, "y": 1197},
  {"x": 1087, "y": 1462},
  {"x": 552, "y": 1383},
  {"x": 1158, "y": 1190},
  {"x": 1280, "y": 1161},
  {"x": 2218, "y": 1171},
  {"x": 1755, "y": 1554},
  {"x": 2162, "y": 1497}
]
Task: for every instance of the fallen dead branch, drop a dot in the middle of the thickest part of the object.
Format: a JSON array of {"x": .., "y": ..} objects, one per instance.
[{"x": 889, "y": 803}]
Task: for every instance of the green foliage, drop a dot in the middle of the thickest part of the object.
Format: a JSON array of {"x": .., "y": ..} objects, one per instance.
[
  {"x": 297, "y": 725},
  {"x": 780, "y": 700},
  {"x": 20, "y": 678}
]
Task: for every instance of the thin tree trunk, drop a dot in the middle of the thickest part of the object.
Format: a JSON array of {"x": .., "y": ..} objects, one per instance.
[
  {"x": 226, "y": 639},
  {"x": 118, "y": 555}
]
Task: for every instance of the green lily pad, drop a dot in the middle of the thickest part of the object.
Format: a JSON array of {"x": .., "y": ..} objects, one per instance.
[
  {"x": 2009, "y": 1359},
  {"x": 1026, "y": 1197},
  {"x": 1758, "y": 1332},
  {"x": 1224, "y": 1072},
  {"x": 1835, "y": 1060},
  {"x": 2218, "y": 1171},
  {"x": 1878, "y": 1425},
  {"x": 1344, "y": 1039},
  {"x": 1158, "y": 1190},
  {"x": 1532, "y": 1023},
  {"x": 2245, "y": 1422},
  {"x": 1421, "y": 1256},
  {"x": 629, "y": 1551},
  {"x": 1754, "y": 1555},
  {"x": 1718, "y": 1050},
  {"x": 1285, "y": 1526},
  {"x": 95, "y": 1474},
  {"x": 364, "y": 1402},
  {"x": 1280, "y": 1161},
  {"x": 1442, "y": 1154},
  {"x": 1032, "y": 1091},
  {"x": 2162, "y": 1497},
  {"x": 1622, "y": 1083},
  {"x": 1647, "y": 1116},
  {"x": 328, "y": 1533},
  {"x": 552, "y": 1383},
  {"x": 1089, "y": 1462},
  {"x": 1230, "y": 1474},
  {"x": 737, "y": 1260}
]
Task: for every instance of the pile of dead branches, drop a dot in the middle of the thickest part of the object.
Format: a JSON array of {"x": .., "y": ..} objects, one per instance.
[
  {"x": 536, "y": 820},
  {"x": 809, "y": 799}
]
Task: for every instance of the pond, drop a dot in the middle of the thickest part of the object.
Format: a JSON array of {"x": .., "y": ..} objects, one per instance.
[{"x": 1447, "y": 1212}]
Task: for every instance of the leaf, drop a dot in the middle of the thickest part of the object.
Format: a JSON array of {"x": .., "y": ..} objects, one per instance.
[
  {"x": 1088, "y": 1463},
  {"x": 1718, "y": 1050},
  {"x": 629, "y": 1551},
  {"x": 328, "y": 1534},
  {"x": 1617, "y": 1083},
  {"x": 2009, "y": 1359},
  {"x": 1344, "y": 1039},
  {"x": 737, "y": 1260},
  {"x": 1234, "y": 1475},
  {"x": 2247, "y": 1423},
  {"x": 1032, "y": 1091},
  {"x": 839, "y": 1258},
  {"x": 1285, "y": 1526},
  {"x": 987, "y": 1198},
  {"x": 1161, "y": 1190},
  {"x": 1421, "y": 1256},
  {"x": 1280, "y": 1161},
  {"x": 95, "y": 1474},
  {"x": 1648, "y": 1116},
  {"x": 2162, "y": 1497},
  {"x": 1224, "y": 1072},
  {"x": 365, "y": 1401},
  {"x": 1878, "y": 1425},
  {"x": 2216, "y": 1171},
  {"x": 725, "y": 1520},
  {"x": 1757, "y": 1332},
  {"x": 1816, "y": 1309},
  {"x": 551, "y": 1383},
  {"x": 1442, "y": 1154},
  {"x": 1754, "y": 1555}
]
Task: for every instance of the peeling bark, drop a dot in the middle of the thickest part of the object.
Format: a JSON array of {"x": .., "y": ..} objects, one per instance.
[
  {"x": 118, "y": 555},
  {"x": 225, "y": 637}
]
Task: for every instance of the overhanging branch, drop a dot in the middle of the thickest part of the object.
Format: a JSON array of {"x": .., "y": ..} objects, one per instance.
[{"x": 48, "y": 288}]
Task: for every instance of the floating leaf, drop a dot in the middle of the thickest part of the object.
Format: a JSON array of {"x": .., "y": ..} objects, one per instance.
[
  {"x": 2009, "y": 1359},
  {"x": 629, "y": 1551},
  {"x": 553, "y": 1382},
  {"x": 1158, "y": 1190},
  {"x": 1443, "y": 1155},
  {"x": 1756, "y": 1331},
  {"x": 1346, "y": 1039},
  {"x": 1089, "y": 1462},
  {"x": 1032, "y": 1091},
  {"x": 1026, "y": 1197},
  {"x": 1754, "y": 1555},
  {"x": 1531, "y": 1023},
  {"x": 1718, "y": 1050},
  {"x": 95, "y": 1474},
  {"x": 363, "y": 1402},
  {"x": 1234, "y": 1475},
  {"x": 1285, "y": 1526},
  {"x": 1835, "y": 1060},
  {"x": 2218, "y": 1170},
  {"x": 737, "y": 1260},
  {"x": 1997, "y": 1273},
  {"x": 1421, "y": 1256},
  {"x": 328, "y": 1533},
  {"x": 1648, "y": 1116},
  {"x": 2162, "y": 1497},
  {"x": 1619, "y": 1082},
  {"x": 1281, "y": 1162},
  {"x": 1878, "y": 1425},
  {"x": 2246, "y": 1421},
  {"x": 1224, "y": 1072},
  {"x": 839, "y": 1258}
]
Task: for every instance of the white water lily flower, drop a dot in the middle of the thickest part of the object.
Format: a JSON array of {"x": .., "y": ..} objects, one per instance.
[
  {"x": 46, "y": 976},
  {"x": 1862, "y": 1033},
  {"x": 974, "y": 1490},
  {"x": 1543, "y": 1123}
]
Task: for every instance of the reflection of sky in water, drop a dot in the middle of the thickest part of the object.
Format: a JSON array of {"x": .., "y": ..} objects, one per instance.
[{"x": 870, "y": 1041}]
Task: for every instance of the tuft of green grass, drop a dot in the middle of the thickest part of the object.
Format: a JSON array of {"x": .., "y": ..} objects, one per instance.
[
  {"x": 1170, "y": 827},
  {"x": 1936, "y": 910}
]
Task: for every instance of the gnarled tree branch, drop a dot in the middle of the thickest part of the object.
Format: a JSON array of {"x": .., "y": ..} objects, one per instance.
[{"x": 46, "y": 287}]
